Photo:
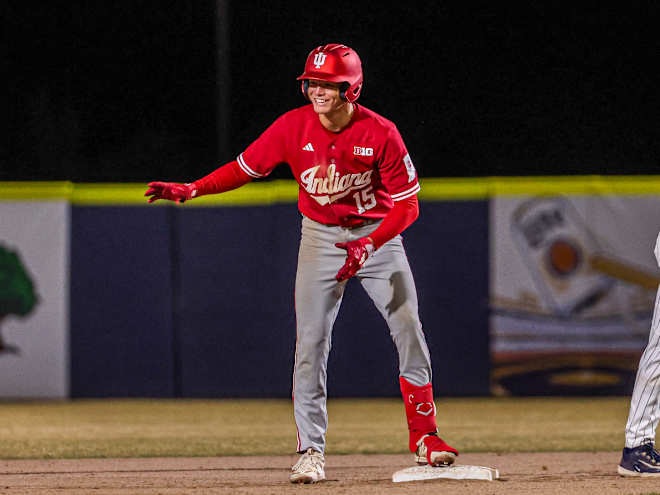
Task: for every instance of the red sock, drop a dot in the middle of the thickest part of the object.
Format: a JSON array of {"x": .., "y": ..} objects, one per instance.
[{"x": 420, "y": 410}]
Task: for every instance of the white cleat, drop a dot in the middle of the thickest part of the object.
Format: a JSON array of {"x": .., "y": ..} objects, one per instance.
[{"x": 309, "y": 468}]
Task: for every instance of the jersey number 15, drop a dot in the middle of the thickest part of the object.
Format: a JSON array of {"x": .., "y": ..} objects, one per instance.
[{"x": 365, "y": 199}]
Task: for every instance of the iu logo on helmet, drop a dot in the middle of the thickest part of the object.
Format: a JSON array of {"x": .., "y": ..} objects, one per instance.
[{"x": 319, "y": 59}]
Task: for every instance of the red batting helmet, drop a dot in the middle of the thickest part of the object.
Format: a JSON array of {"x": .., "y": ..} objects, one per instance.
[{"x": 334, "y": 63}]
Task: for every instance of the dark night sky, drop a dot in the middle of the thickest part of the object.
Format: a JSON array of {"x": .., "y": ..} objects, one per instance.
[{"x": 126, "y": 90}]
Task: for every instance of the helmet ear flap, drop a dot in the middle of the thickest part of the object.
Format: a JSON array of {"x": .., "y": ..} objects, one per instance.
[{"x": 342, "y": 90}]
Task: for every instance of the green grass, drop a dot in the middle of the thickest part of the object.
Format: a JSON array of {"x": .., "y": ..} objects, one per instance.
[{"x": 146, "y": 428}]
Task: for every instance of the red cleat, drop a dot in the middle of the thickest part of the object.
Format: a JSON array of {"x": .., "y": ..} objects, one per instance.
[{"x": 432, "y": 450}]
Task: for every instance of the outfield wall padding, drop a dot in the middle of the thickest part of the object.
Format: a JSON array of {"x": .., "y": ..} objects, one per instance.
[
  {"x": 122, "y": 340},
  {"x": 198, "y": 302}
]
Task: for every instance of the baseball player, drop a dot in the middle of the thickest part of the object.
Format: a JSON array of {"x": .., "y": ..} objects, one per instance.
[
  {"x": 639, "y": 456},
  {"x": 357, "y": 192}
]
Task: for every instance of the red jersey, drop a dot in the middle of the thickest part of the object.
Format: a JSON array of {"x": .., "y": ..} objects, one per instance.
[{"x": 345, "y": 177}]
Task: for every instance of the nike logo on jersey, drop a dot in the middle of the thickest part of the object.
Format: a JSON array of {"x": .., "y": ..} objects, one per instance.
[
  {"x": 308, "y": 147},
  {"x": 332, "y": 185}
]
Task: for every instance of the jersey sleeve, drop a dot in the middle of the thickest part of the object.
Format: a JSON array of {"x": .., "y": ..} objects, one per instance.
[
  {"x": 269, "y": 150},
  {"x": 397, "y": 172}
]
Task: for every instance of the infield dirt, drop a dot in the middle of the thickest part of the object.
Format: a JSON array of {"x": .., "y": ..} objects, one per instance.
[{"x": 538, "y": 473}]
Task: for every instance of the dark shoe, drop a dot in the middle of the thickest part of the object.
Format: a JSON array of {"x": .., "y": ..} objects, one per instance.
[{"x": 640, "y": 461}]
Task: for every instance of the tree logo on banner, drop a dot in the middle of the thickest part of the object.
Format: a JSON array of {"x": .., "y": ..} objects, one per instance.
[{"x": 17, "y": 295}]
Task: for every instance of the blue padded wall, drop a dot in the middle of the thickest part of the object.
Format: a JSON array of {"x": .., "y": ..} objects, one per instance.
[
  {"x": 448, "y": 248},
  {"x": 198, "y": 302},
  {"x": 236, "y": 320},
  {"x": 121, "y": 293}
]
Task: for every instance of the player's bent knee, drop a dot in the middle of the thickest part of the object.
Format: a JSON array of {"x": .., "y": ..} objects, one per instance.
[
  {"x": 405, "y": 316},
  {"x": 311, "y": 345}
]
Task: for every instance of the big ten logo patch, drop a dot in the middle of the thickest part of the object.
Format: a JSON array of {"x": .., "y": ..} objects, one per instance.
[{"x": 362, "y": 151}]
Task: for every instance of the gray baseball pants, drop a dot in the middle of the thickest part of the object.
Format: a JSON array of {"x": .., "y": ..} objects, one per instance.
[{"x": 387, "y": 279}]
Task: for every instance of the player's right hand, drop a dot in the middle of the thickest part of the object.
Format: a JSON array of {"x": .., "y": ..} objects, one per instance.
[
  {"x": 170, "y": 190},
  {"x": 357, "y": 252}
]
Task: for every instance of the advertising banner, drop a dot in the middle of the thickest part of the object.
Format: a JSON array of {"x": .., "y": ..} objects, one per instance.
[
  {"x": 573, "y": 282},
  {"x": 34, "y": 288}
]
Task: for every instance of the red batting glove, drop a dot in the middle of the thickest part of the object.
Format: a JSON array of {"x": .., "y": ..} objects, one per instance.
[
  {"x": 357, "y": 253},
  {"x": 170, "y": 190}
]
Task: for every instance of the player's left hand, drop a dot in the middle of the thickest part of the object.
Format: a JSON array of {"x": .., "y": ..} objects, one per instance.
[{"x": 357, "y": 253}]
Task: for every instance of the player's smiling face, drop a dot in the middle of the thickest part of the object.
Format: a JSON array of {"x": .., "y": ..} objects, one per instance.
[{"x": 325, "y": 96}]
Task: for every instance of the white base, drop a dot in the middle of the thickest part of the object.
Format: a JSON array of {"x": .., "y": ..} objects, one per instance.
[{"x": 455, "y": 472}]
